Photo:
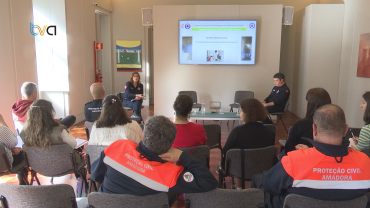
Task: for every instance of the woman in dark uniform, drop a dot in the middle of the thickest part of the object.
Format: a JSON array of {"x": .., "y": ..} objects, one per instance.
[{"x": 133, "y": 96}]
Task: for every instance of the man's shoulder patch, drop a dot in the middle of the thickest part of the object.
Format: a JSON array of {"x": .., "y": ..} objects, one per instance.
[{"x": 188, "y": 177}]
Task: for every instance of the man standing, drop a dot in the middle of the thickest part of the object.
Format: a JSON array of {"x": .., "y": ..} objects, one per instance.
[
  {"x": 328, "y": 171},
  {"x": 93, "y": 108},
  {"x": 147, "y": 168},
  {"x": 20, "y": 108},
  {"x": 278, "y": 97}
]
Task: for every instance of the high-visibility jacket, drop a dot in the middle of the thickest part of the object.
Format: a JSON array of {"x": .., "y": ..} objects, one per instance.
[
  {"x": 326, "y": 172},
  {"x": 123, "y": 157}
]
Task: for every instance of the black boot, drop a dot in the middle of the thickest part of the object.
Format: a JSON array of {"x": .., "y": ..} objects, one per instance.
[{"x": 135, "y": 115}]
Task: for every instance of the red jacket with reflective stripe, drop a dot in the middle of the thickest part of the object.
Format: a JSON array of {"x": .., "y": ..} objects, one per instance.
[
  {"x": 123, "y": 157},
  {"x": 312, "y": 169}
]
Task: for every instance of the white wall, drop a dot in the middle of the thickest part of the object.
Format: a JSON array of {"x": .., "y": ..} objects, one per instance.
[
  {"x": 318, "y": 51},
  {"x": 213, "y": 82},
  {"x": 351, "y": 88}
]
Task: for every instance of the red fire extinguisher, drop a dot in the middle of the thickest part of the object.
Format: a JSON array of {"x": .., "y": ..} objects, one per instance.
[{"x": 99, "y": 77}]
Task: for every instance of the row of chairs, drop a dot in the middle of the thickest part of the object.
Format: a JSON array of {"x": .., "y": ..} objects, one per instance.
[{"x": 63, "y": 196}]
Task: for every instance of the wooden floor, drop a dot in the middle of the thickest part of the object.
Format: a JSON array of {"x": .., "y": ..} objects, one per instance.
[{"x": 78, "y": 131}]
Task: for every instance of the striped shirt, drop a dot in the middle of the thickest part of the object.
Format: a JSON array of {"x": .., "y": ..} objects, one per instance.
[
  {"x": 9, "y": 140},
  {"x": 364, "y": 138}
]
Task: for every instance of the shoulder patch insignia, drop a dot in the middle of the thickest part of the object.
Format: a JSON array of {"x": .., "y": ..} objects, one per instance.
[
  {"x": 188, "y": 177},
  {"x": 125, "y": 86},
  {"x": 287, "y": 91}
]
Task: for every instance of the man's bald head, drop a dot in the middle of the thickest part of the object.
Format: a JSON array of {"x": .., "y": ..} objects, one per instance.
[
  {"x": 330, "y": 122},
  {"x": 97, "y": 91}
]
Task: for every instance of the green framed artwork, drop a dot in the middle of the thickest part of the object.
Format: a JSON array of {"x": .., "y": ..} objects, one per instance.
[{"x": 128, "y": 55}]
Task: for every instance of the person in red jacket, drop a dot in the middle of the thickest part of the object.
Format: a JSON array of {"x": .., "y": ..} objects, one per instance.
[
  {"x": 327, "y": 171},
  {"x": 188, "y": 133}
]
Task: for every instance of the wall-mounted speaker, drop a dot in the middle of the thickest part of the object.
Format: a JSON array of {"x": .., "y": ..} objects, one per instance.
[
  {"x": 288, "y": 12},
  {"x": 146, "y": 16}
]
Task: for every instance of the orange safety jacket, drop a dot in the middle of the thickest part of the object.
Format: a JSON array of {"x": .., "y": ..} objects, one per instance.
[
  {"x": 148, "y": 173},
  {"x": 312, "y": 169}
]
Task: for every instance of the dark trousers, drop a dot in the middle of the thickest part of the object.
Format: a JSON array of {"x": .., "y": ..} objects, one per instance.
[
  {"x": 17, "y": 159},
  {"x": 135, "y": 105},
  {"x": 68, "y": 121}
]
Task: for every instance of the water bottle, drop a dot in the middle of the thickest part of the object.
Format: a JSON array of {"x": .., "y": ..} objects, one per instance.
[{"x": 203, "y": 108}]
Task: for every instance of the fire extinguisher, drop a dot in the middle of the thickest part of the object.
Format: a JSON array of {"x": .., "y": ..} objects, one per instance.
[{"x": 99, "y": 77}]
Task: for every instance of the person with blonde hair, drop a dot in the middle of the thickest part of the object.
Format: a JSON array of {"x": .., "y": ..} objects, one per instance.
[
  {"x": 114, "y": 124},
  {"x": 42, "y": 130},
  {"x": 253, "y": 134}
]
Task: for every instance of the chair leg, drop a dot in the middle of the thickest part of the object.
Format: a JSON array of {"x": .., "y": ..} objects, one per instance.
[
  {"x": 89, "y": 191},
  {"x": 34, "y": 177},
  {"x": 52, "y": 180},
  {"x": 284, "y": 125}
]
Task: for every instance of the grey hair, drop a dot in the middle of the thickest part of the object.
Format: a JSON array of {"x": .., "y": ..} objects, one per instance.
[
  {"x": 330, "y": 120},
  {"x": 159, "y": 134},
  {"x": 28, "y": 88}
]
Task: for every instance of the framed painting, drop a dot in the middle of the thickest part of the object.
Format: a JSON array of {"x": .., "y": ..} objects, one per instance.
[
  {"x": 128, "y": 55},
  {"x": 363, "y": 66}
]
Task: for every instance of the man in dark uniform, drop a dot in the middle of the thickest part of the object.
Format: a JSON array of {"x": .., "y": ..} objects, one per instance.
[
  {"x": 93, "y": 108},
  {"x": 278, "y": 97}
]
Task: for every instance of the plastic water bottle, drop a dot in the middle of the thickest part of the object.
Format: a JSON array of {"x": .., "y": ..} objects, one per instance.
[{"x": 203, "y": 108}]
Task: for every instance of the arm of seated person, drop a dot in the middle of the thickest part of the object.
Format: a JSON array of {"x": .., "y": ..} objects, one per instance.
[
  {"x": 70, "y": 140},
  {"x": 98, "y": 169},
  {"x": 195, "y": 178}
]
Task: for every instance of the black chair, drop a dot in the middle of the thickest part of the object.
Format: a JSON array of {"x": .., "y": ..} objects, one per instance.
[
  {"x": 100, "y": 200},
  {"x": 14, "y": 196},
  {"x": 193, "y": 96},
  {"x": 244, "y": 163},
  {"x": 213, "y": 132},
  {"x": 5, "y": 166},
  {"x": 239, "y": 96},
  {"x": 201, "y": 153},
  {"x": 298, "y": 201},
  {"x": 93, "y": 152},
  {"x": 226, "y": 198},
  {"x": 279, "y": 115},
  {"x": 88, "y": 127},
  {"x": 59, "y": 160}
]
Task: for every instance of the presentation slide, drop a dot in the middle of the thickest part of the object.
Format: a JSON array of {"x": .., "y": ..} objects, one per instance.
[{"x": 217, "y": 41}]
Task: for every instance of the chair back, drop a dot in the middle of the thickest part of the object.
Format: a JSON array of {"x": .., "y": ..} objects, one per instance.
[
  {"x": 213, "y": 132},
  {"x": 4, "y": 162},
  {"x": 94, "y": 151},
  {"x": 120, "y": 95},
  {"x": 191, "y": 94},
  {"x": 297, "y": 201},
  {"x": 271, "y": 127},
  {"x": 61, "y": 195},
  {"x": 286, "y": 105},
  {"x": 255, "y": 161},
  {"x": 88, "y": 127},
  {"x": 102, "y": 200},
  {"x": 241, "y": 95},
  {"x": 201, "y": 153},
  {"x": 226, "y": 198},
  {"x": 53, "y": 162},
  {"x": 366, "y": 150}
]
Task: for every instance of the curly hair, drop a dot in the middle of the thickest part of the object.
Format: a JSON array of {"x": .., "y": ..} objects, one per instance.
[
  {"x": 132, "y": 77},
  {"x": 112, "y": 113},
  {"x": 366, "y": 97},
  {"x": 40, "y": 123},
  {"x": 183, "y": 105},
  {"x": 253, "y": 110}
]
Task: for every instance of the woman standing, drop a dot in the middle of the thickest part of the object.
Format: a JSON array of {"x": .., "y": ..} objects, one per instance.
[
  {"x": 364, "y": 138},
  {"x": 133, "y": 95},
  {"x": 114, "y": 124}
]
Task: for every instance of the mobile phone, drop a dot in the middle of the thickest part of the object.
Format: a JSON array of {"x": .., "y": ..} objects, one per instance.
[{"x": 353, "y": 136}]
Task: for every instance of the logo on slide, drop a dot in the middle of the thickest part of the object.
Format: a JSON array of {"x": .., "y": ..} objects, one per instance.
[
  {"x": 252, "y": 25},
  {"x": 187, "y": 26},
  {"x": 42, "y": 31}
]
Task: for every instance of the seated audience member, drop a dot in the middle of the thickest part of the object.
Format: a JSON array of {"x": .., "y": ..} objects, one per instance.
[
  {"x": 42, "y": 130},
  {"x": 20, "y": 108},
  {"x": 188, "y": 133},
  {"x": 363, "y": 140},
  {"x": 278, "y": 97},
  {"x": 114, "y": 124},
  {"x": 133, "y": 95},
  {"x": 9, "y": 140},
  {"x": 149, "y": 167},
  {"x": 250, "y": 135},
  {"x": 93, "y": 108},
  {"x": 328, "y": 171},
  {"x": 316, "y": 97}
]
